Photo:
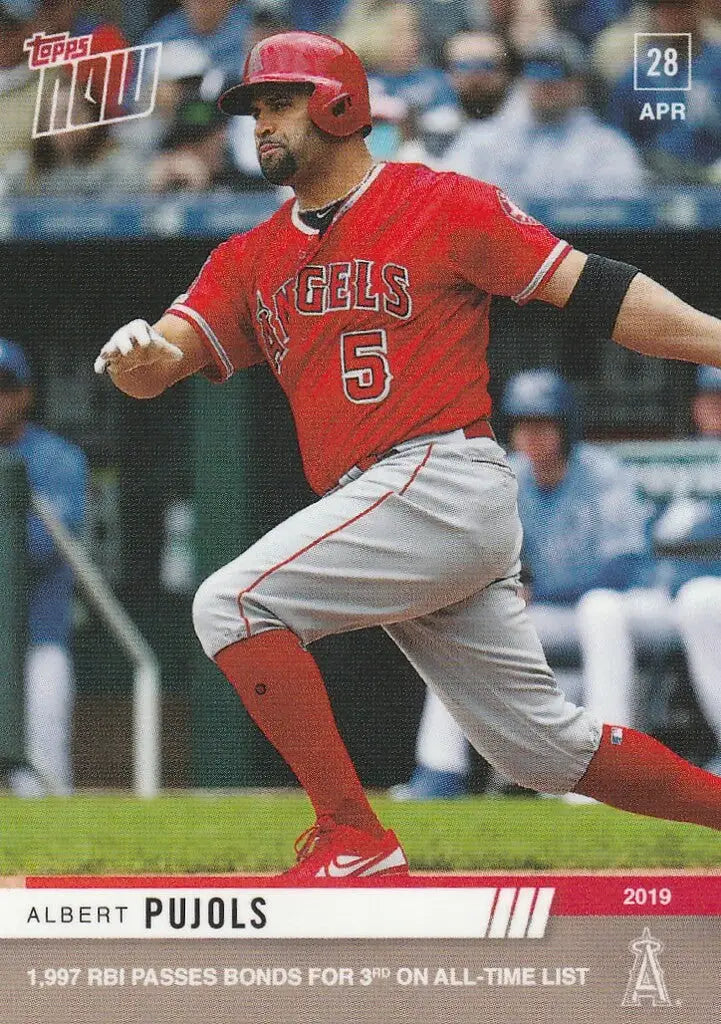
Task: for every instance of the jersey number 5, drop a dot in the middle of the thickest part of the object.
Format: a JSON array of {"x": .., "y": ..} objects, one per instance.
[{"x": 364, "y": 365}]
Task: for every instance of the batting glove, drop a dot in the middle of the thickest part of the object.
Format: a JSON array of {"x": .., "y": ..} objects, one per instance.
[{"x": 136, "y": 339}]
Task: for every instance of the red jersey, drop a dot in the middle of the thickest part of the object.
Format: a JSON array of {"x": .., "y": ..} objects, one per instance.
[{"x": 377, "y": 330}]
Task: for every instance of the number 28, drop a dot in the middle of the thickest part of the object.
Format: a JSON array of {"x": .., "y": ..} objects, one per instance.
[
  {"x": 364, "y": 365},
  {"x": 670, "y": 62}
]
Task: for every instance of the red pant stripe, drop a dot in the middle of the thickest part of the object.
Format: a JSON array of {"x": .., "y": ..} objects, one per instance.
[{"x": 336, "y": 529}]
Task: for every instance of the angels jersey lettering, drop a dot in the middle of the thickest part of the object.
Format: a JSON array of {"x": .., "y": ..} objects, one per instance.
[{"x": 377, "y": 330}]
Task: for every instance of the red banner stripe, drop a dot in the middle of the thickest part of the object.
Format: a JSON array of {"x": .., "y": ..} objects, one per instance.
[{"x": 576, "y": 895}]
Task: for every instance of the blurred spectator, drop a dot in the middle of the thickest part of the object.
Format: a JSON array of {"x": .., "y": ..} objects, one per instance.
[
  {"x": 18, "y": 84},
  {"x": 19, "y": 19},
  {"x": 481, "y": 70},
  {"x": 314, "y": 15},
  {"x": 554, "y": 147},
  {"x": 689, "y": 533},
  {"x": 71, "y": 16},
  {"x": 80, "y": 162},
  {"x": 57, "y": 472},
  {"x": 365, "y": 29},
  {"x": 195, "y": 151},
  {"x": 403, "y": 70},
  {"x": 613, "y": 48},
  {"x": 435, "y": 130},
  {"x": 387, "y": 37},
  {"x": 518, "y": 21},
  {"x": 83, "y": 162},
  {"x": 221, "y": 27},
  {"x": 586, "y": 18},
  {"x": 392, "y": 125},
  {"x": 183, "y": 65},
  {"x": 523, "y": 22},
  {"x": 584, "y": 528},
  {"x": 441, "y": 19},
  {"x": 677, "y": 149},
  {"x": 396, "y": 131}
]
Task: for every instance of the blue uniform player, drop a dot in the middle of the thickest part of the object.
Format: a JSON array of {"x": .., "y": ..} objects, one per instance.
[
  {"x": 585, "y": 533},
  {"x": 56, "y": 471},
  {"x": 681, "y": 603},
  {"x": 688, "y": 534}
]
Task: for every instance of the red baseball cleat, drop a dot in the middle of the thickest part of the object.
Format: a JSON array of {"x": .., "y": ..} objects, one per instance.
[{"x": 337, "y": 852}]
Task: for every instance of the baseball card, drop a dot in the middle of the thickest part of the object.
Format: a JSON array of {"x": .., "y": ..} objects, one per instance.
[{"x": 360, "y": 481}]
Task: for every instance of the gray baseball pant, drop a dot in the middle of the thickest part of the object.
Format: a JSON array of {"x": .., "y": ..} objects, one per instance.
[{"x": 424, "y": 543}]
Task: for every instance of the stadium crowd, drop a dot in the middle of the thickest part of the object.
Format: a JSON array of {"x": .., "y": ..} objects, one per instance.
[{"x": 535, "y": 95}]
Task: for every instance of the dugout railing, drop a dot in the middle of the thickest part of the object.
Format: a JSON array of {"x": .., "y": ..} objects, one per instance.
[{"x": 16, "y": 503}]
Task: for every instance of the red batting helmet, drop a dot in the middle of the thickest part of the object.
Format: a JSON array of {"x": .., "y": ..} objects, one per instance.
[{"x": 339, "y": 104}]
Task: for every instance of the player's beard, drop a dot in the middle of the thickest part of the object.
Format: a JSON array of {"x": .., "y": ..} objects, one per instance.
[
  {"x": 279, "y": 171},
  {"x": 480, "y": 104}
]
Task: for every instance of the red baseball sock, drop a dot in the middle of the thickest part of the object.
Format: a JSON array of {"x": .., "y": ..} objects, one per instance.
[
  {"x": 283, "y": 691},
  {"x": 632, "y": 771}
]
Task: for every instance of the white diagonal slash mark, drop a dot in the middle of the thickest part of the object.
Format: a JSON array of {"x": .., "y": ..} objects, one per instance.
[
  {"x": 541, "y": 911},
  {"x": 521, "y": 913},
  {"x": 502, "y": 913}
]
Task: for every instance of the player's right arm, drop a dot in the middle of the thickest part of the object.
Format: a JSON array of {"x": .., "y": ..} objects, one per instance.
[
  {"x": 144, "y": 360},
  {"x": 208, "y": 329}
]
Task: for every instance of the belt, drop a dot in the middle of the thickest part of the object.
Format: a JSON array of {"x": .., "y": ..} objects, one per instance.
[{"x": 478, "y": 428}]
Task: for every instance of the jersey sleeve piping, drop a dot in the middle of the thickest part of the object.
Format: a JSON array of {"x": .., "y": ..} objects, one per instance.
[
  {"x": 549, "y": 265},
  {"x": 208, "y": 336}
]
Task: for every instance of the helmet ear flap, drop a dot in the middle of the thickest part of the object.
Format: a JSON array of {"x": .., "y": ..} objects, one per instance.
[{"x": 329, "y": 109}]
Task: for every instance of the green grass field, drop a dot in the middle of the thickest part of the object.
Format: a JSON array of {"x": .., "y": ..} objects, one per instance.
[{"x": 245, "y": 833}]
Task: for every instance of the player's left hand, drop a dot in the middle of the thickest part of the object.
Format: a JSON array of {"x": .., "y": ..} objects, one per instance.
[{"x": 136, "y": 344}]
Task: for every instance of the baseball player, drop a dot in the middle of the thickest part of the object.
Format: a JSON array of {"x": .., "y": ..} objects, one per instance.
[
  {"x": 691, "y": 526},
  {"x": 584, "y": 527},
  {"x": 685, "y": 599},
  {"x": 57, "y": 471},
  {"x": 368, "y": 294}
]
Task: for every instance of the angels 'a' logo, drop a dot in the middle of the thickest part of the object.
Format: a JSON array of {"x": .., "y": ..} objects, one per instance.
[
  {"x": 646, "y": 983},
  {"x": 513, "y": 211}
]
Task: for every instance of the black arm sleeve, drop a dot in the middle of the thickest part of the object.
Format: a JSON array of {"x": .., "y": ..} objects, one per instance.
[{"x": 594, "y": 303}]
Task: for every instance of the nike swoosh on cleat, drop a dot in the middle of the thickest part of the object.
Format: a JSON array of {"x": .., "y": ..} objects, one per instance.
[
  {"x": 351, "y": 866},
  {"x": 393, "y": 863},
  {"x": 362, "y": 867}
]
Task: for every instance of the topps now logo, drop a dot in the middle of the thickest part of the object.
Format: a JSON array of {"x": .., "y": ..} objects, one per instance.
[{"x": 121, "y": 84}]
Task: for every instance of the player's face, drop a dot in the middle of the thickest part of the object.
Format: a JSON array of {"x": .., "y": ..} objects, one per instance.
[
  {"x": 552, "y": 100},
  {"x": 287, "y": 141},
  {"x": 481, "y": 93},
  {"x": 14, "y": 403},
  {"x": 541, "y": 441}
]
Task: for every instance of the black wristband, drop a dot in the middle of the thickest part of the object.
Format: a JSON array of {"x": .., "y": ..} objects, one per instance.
[{"x": 594, "y": 303}]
